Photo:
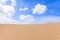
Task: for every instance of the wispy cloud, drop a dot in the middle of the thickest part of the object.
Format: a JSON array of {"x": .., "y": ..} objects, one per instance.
[
  {"x": 39, "y": 9},
  {"x": 24, "y": 9},
  {"x": 26, "y": 18},
  {"x": 13, "y": 3},
  {"x": 41, "y": 20},
  {"x": 47, "y": 19}
]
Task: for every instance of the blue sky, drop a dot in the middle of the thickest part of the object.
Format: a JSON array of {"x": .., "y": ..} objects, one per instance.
[
  {"x": 52, "y": 5},
  {"x": 29, "y": 11}
]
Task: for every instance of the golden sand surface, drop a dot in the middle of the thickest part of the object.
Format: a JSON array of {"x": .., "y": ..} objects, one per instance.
[{"x": 30, "y": 32}]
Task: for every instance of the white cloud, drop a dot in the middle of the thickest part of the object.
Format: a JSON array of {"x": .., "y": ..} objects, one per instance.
[
  {"x": 29, "y": 19},
  {"x": 39, "y": 9},
  {"x": 6, "y": 13},
  {"x": 26, "y": 18},
  {"x": 24, "y": 9},
  {"x": 7, "y": 20},
  {"x": 1, "y": 8},
  {"x": 13, "y": 3},
  {"x": 8, "y": 10},
  {"x": 41, "y": 20},
  {"x": 3, "y": 1}
]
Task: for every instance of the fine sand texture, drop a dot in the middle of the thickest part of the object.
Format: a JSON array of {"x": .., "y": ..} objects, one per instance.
[{"x": 30, "y": 32}]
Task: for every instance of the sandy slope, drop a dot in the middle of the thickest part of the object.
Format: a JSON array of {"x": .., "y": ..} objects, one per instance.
[{"x": 30, "y": 32}]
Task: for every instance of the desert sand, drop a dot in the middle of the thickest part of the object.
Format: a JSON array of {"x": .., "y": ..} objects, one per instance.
[{"x": 30, "y": 32}]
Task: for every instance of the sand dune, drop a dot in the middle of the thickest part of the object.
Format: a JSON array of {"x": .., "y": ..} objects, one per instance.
[{"x": 30, "y": 32}]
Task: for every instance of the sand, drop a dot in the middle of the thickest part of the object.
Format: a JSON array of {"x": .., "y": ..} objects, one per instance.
[{"x": 30, "y": 32}]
